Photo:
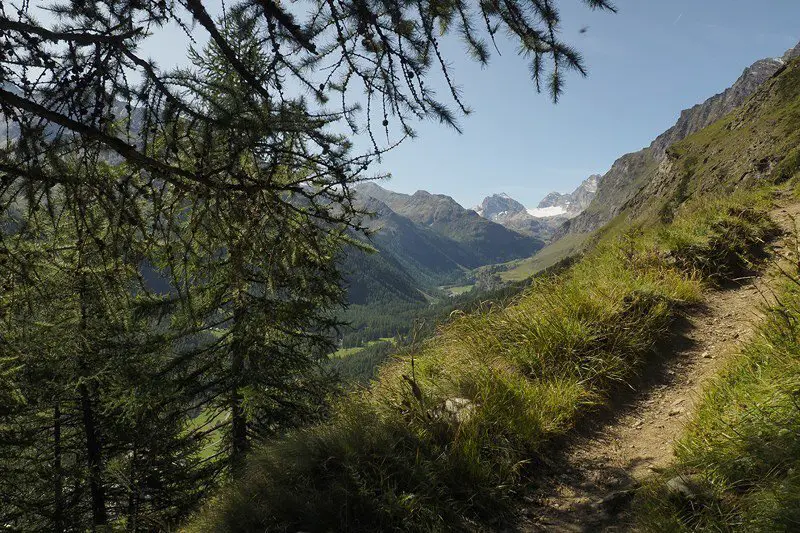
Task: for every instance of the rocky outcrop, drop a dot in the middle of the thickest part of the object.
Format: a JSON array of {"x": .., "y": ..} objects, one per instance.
[
  {"x": 572, "y": 204},
  {"x": 547, "y": 217},
  {"x": 632, "y": 172},
  {"x": 499, "y": 207},
  {"x": 698, "y": 117}
]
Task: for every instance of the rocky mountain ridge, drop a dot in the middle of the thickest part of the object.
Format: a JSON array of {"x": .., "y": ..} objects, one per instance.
[
  {"x": 551, "y": 212},
  {"x": 632, "y": 172}
]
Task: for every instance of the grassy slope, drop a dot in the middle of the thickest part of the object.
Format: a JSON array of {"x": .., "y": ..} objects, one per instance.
[
  {"x": 548, "y": 256},
  {"x": 414, "y": 458},
  {"x": 444, "y": 438},
  {"x": 741, "y": 452}
]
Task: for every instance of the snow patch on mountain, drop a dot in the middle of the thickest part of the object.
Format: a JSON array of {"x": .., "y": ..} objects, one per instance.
[{"x": 544, "y": 212}]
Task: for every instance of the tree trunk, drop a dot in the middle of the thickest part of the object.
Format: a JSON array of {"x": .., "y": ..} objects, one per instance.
[
  {"x": 58, "y": 482},
  {"x": 93, "y": 444},
  {"x": 132, "y": 494},
  {"x": 94, "y": 459},
  {"x": 238, "y": 418}
]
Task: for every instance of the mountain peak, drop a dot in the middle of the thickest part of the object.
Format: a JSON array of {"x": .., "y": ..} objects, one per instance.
[
  {"x": 570, "y": 204},
  {"x": 791, "y": 53}
]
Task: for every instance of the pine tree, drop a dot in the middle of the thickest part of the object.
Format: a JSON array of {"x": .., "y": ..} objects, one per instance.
[
  {"x": 169, "y": 240},
  {"x": 88, "y": 444},
  {"x": 258, "y": 271}
]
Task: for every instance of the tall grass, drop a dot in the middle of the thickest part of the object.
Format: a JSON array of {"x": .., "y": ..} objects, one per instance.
[
  {"x": 742, "y": 448},
  {"x": 445, "y": 436}
]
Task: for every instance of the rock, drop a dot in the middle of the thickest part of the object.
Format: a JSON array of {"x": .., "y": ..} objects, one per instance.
[
  {"x": 684, "y": 487},
  {"x": 460, "y": 409},
  {"x": 616, "y": 501},
  {"x": 675, "y": 411},
  {"x": 707, "y": 355}
]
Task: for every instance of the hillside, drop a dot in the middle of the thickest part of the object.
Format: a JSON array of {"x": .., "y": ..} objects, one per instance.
[
  {"x": 449, "y": 436},
  {"x": 631, "y": 172},
  {"x": 484, "y": 242}
]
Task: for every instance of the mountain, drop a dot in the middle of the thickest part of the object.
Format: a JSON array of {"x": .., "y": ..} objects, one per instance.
[
  {"x": 632, "y": 172},
  {"x": 542, "y": 221},
  {"x": 423, "y": 241},
  {"x": 569, "y": 204},
  {"x": 482, "y": 241},
  {"x": 757, "y": 143}
]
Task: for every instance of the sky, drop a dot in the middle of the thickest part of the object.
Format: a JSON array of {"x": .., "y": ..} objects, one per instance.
[{"x": 646, "y": 63}]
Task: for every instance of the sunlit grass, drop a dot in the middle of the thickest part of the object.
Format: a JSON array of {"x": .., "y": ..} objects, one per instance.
[
  {"x": 742, "y": 447},
  {"x": 447, "y": 434}
]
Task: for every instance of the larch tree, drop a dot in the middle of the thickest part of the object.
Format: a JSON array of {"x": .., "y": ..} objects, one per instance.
[{"x": 169, "y": 237}]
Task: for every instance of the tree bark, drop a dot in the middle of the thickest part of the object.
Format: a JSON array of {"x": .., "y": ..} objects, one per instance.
[
  {"x": 58, "y": 482},
  {"x": 238, "y": 418},
  {"x": 94, "y": 459}
]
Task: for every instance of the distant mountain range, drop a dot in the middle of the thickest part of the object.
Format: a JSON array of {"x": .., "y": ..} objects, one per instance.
[
  {"x": 542, "y": 221},
  {"x": 423, "y": 241}
]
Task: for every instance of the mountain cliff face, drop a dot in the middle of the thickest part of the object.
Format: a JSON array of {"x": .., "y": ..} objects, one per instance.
[
  {"x": 542, "y": 221},
  {"x": 757, "y": 143},
  {"x": 497, "y": 207},
  {"x": 503, "y": 209},
  {"x": 572, "y": 204},
  {"x": 632, "y": 172}
]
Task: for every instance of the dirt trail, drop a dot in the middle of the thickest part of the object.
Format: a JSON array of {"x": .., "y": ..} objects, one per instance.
[{"x": 606, "y": 462}]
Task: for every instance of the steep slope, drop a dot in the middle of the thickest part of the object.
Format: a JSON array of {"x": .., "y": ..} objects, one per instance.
[
  {"x": 758, "y": 143},
  {"x": 486, "y": 241},
  {"x": 447, "y": 437},
  {"x": 629, "y": 174},
  {"x": 429, "y": 256},
  {"x": 409, "y": 258}
]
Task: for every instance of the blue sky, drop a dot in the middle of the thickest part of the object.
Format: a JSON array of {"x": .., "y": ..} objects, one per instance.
[{"x": 646, "y": 63}]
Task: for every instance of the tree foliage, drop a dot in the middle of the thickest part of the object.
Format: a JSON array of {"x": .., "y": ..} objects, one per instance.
[{"x": 170, "y": 238}]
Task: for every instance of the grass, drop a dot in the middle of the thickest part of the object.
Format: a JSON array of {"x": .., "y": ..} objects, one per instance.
[
  {"x": 347, "y": 352},
  {"x": 359, "y": 366},
  {"x": 742, "y": 448},
  {"x": 203, "y": 422},
  {"x": 458, "y": 290},
  {"x": 548, "y": 256},
  {"x": 447, "y": 434}
]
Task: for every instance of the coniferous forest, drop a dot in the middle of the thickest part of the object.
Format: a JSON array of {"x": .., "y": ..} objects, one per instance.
[{"x": 171, "y": 238}]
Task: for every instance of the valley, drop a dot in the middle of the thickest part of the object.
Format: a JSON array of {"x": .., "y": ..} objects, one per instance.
[
  {"x": 656, "y": 301},
  {"x": 223, "y": 309}
]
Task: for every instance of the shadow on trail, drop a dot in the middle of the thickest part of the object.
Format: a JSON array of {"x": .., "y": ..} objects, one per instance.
[{"x": 585, "y": 494}]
